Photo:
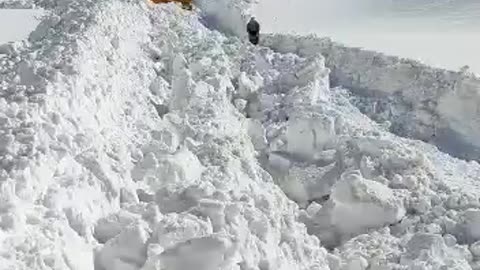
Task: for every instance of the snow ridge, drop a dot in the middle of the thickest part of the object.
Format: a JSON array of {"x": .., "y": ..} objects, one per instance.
[
  {"x": 134, "y": 137},
  {"x": 122, "y": 140},
  {"x": 417, "y": 101}
]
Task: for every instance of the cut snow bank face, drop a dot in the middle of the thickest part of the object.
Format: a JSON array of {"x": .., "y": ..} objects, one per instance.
[
  {"x": 227, "y": 16},
  {"x": 120, "y": 148},
  {"x": 421, "y": 102}
]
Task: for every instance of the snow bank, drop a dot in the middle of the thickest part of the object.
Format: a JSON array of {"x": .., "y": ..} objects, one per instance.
[
  {"x": 357, "y": 204},
  {"x": 17, "y": 4},
  {"x": 121, "y": 149},
  {"x": 420, "y": 102},
  {"x": 133, "y": 137},
  {"x": 364, "y": 192}
]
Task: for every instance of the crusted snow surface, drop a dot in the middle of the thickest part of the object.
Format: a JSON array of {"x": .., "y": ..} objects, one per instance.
[{"x": 136, "y": 137}]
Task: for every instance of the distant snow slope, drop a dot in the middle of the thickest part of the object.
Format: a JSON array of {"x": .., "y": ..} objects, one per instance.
[
  {"x": 134, "y": 137},
  {"x": 441, "y": 33}
]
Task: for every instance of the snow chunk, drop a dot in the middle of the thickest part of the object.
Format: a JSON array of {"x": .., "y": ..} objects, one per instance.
[
  {"x": 246, "y": 86},
  {"x": 181, "y": 168},
  {"x": 257, "y": 133},
  {"x": 469, "y": 229},
  {"x": 127, "y": 249},
  {"x": 475, "y": 249},
  {"x": 361, "y": 203},
  {"x": 429, "y": 251},
  {"x": 177, "y": 228},
  {"x": 204, "y": 253},
  {"x": 306, "y": 136},
  {"x": 112, "y": 225},
  {"x": 358, "y": 204}
]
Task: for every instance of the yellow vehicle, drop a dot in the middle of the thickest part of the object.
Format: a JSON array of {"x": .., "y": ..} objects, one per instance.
[{"x": 186, "y": 4}]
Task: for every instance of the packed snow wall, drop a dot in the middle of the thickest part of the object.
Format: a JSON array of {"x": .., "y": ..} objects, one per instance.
[
  {"x": 120, "y": 149},
  {"x": 434, "y": 105}
]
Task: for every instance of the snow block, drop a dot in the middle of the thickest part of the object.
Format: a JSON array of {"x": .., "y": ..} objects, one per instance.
[
  {"x": 357, "y": 204},
  {"x": 228, "y": 16},
  {"x": 308, "y": 135},
  {"x": 433, "y": 104},
  {"x": 181, "y": 168},
  {"x": 127, "y": 248},
  {"x": 204, "y": 253},
  {"x": 246, "y": 86},
  {"x": 176, "y": 228},
  {"x": 256, "y": 131},
  {"x": 112, "y": 225}
]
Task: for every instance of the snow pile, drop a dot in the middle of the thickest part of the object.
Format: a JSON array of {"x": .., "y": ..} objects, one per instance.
[
  {"x": 227, "y": 16},
  {"x": 418, "y": 101},
  {"x": 134, "y": 137},
  {"x": 121, "y": 149}
]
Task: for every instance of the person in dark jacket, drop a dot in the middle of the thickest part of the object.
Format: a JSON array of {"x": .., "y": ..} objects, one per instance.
[{"x": 253, "y": 29}]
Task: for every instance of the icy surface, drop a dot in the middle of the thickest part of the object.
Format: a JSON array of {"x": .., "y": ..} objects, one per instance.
[{"x": 136, "y": 137}]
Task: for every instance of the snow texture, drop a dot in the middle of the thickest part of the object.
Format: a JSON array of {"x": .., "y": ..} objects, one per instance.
[
  {"x": 135, "y": 137},
  {"x": 418, "y": 101}
]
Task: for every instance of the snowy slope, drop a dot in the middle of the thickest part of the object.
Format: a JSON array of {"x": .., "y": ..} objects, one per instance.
[
  {"x": 418, "y": 101},
  {"x": 135, "y": 137},
  {"x": 442, "y": 33}
]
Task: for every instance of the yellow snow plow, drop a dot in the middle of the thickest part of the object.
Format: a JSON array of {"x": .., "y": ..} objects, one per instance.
[{"x": 186, "y": 4}]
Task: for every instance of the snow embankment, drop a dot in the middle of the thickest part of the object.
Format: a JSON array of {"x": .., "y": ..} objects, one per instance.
[
  {"x": 120, "y": 148},
  {"x": 20, "y": 23},
  {"x": 418, "y": 101}
]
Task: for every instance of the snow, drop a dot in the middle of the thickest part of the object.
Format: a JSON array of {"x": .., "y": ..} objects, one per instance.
[
  {"x": 418, "y": 101},
  {"x": 135, "y": 137},
  {"x": 20, "y": 23},
  {"x": 439, "y": 33}
]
